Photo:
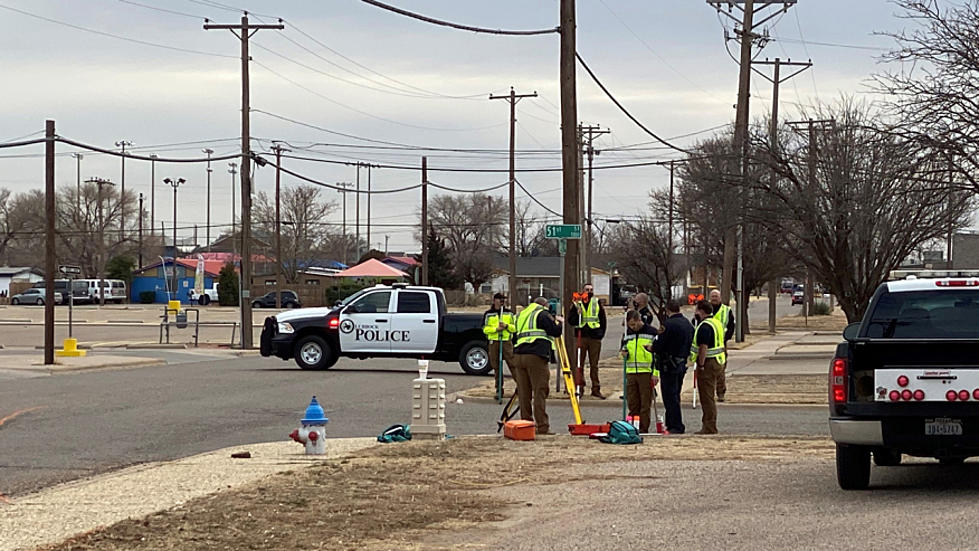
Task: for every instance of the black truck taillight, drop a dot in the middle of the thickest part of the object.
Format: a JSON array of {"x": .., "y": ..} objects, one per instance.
[{"x": 837, "y": 381}]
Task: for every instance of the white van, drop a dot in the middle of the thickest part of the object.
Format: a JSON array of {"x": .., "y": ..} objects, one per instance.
[{"x": 116, "y": 290}]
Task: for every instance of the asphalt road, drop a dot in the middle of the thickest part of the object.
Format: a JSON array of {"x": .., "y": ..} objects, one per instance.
[{"x": 91, "y": 422}]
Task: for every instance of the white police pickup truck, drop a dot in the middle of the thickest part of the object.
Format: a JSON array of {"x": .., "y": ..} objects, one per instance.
[
  {"x": 397, "y": 321},
  {"x": 906, "y": 378}
]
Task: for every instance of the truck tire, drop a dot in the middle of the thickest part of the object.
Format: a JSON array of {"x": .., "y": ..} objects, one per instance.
[
  {"x": 474, "y": 358},
  {"x": 887, "y": 458},
  {"x": 852, "y": 467},
  {"x": 951, "y": 461},
  {"x": 312, "y": 352},
  {"x": 204, "y": 300}
]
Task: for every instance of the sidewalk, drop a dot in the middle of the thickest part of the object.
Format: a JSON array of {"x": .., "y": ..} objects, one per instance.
[
  {"x": 55, "y": 514},
  {"x": 34, "y": 362}
]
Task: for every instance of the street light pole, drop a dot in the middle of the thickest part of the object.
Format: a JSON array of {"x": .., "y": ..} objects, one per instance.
[
  {"x": 122, "y": 193},
  {"x": 207, "y": 230},
  {"x": 174, "y": 184},
  {"x": 233, "y": 169},
  {"x": 152, "y": 192}
]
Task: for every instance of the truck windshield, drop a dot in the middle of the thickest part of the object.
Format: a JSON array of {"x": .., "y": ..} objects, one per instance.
[{"x": 939, "y": 314}]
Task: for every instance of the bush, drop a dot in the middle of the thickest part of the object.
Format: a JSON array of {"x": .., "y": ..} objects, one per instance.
[
  {"x": 228, "y": 286},
  {"x": 820, "y": 308},
  {"x": 147, "y": 297}
]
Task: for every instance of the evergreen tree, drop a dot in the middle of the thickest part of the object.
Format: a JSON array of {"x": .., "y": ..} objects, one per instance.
[
  {"x": 440, "y": 271},
  {"x": 228, "y": 285}
]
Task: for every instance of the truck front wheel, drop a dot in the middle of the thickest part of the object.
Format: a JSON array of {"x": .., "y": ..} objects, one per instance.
[
  {"x": 204, "y": 300},
  {"x": 474, "y": 358},
  {"x": 852, "y": 467},
  {"x": 312, "y": 352}
]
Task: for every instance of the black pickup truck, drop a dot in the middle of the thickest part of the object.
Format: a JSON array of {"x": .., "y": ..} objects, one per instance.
[
  {"x": 397, "y": 321},
  {"x": 906, "y": 378}
]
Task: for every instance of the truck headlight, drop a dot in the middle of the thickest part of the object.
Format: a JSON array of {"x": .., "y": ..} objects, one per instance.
[{"x": 286, "y": 327}]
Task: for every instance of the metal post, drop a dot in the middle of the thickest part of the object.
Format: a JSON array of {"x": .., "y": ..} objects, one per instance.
[
  {"x": 357, "y": 216},
  {"x": 122, "y": 191},
  {"x": 78, "y": 179},
  {"x": 152, "y": 192},
  {"x": 424, "y": 232},
  {"x": 207, "y": 227},
  {"x": 49, "y": 242},
  {"x": 140, "y": 235}
]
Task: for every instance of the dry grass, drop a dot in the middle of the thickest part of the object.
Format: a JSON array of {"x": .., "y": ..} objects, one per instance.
[{"x": 390, "y": 495}]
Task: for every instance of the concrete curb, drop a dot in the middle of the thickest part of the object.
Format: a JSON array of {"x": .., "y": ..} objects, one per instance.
[{"x": 156, "y": 346}]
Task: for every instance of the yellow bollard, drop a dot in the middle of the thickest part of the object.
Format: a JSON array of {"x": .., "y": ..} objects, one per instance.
[
  {"x": 173, "y": 305},
  {"x": 70, "y": 349}
]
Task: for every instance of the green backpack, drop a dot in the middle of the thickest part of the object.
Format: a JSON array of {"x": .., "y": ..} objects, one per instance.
[
  {"x": 620, "y": 432},
  {"x": 395, "y": 433}
]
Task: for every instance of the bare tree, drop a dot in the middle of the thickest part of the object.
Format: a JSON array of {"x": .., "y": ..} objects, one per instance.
[
  {"x": 933, "y": 94},
  {"x": 857, "y": 202},
  {"x": 473, "y": 227},
  {"x": 645, "y": 257},
  {"x": 304, "y": 225},
  {"x": 15, "y": 221}
]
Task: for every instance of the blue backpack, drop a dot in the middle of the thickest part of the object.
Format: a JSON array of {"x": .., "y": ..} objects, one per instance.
[
  {"x": 620, "y": 432},
  {"x": 395, "y": 433}
]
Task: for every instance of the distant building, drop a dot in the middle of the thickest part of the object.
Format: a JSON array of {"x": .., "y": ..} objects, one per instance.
[
  {"x": 18, "y": 273},
  {"x": 538, "y": 276}
]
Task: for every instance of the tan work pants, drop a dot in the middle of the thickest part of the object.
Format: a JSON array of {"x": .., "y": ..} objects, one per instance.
[
  {"x": 532, "y": 375},
  {"x": 707, "y": 386},
  {"x": 494, "y": 355}
]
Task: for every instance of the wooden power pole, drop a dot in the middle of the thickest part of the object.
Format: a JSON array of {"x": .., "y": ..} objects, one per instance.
[
  {"x": 49, "y": 243},
  {"x": 244, "y": 31},
  {"x": 588, "y": 134},
  {"x": 569, "y": 160},
  {"x": 513, "y": 98},
  {"x": 278, "y": 149}
]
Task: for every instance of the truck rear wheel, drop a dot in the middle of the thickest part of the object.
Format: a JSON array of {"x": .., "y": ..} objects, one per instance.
[
  {"x": 852, "y": 467},
  {"x": 204, "y": 300},
  {"x": 474, "y": 358},
  {"x": 312, "y": 352}
]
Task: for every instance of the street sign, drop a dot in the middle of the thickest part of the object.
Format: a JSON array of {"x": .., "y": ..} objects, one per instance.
[
  {"x": 563, "y": 231},
  {"x": 70, "y": 270},
  {"x": 562, "y": 247}
]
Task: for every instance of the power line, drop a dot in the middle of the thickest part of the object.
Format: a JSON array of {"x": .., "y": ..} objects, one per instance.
[
  {"x": 365, "y": 113},
  {"x": 161, "y": 10},
  {"x": 82, "y": 145},
  {"x": 442, "y": 23},
  {"x": 116, "y": 36},
  {"x": 624, "y": 110}
]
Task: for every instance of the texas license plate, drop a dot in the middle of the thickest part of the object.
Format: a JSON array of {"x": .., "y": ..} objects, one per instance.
[{"x": 943, "y": 427}]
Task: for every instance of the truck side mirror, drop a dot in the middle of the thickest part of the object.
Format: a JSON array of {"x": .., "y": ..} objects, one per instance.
[{"x": 851, "y": 331}]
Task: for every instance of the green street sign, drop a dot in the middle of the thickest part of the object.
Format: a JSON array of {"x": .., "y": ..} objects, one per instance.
[
  {"x": 562, "y": 247},
  {"x": 563, "y": 231}
]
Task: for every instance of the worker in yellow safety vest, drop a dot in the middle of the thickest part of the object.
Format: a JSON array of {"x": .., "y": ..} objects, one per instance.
[
  {"x": 588, "y": 317},
  {"x": 535, "y": 329},
  {"x": 708, "y": 354},
  {"x": 641, "y": 375},
  {"x": 723, "y": 314},
  {"x": 499, "y": 327}
]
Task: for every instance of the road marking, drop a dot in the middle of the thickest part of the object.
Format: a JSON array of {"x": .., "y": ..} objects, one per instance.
[{"x": 19, "y": 412}]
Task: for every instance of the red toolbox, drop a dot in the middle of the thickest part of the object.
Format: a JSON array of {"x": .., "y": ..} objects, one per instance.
[{"x": 520, "y": 430}]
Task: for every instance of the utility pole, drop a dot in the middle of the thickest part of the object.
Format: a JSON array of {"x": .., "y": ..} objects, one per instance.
[
  {"x": 424, "y": 233},
  {"x": 386, "y": 237},
  {"x": 140, "y": 244},
  {"x": 50, "y": 253},
  {"x": 357, "y": 216},
  {"x": 122, "y": 191},
  {"x": 232, "y": 169},
  {"x": 174, "y": 184},
  {"x": 78, "y": 179},
  {"x": 207, "y": 224},
  {"x": 513, "y": 98},
  {"x": 244, "y": 31},
  {"x": 951, "y": 218},
  {"x": 343, "y": 192},
  {"x": 99, "y": 182},
  {"x": 812, "y": 126},
  {"x": 588, "y": 135},
  {"x": 734, "y": 236},
  {"x": 278, "y": 149},
  {"x": 153, "y": 158},
  {"x": 569, "y": 160},
  {"x": 776, "y": 79}
]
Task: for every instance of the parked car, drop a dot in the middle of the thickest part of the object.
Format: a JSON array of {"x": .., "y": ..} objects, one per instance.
[
  {"x": 289, "y": 300},
  {"x": 798, "y": 297},
  {"x": 34, "y": 295},
  {"x": 626, "y": 294},
  {"x": 116, "y": 290},
  {"x": 399, "y": 321},
  {"x": 79, "y": 290}
]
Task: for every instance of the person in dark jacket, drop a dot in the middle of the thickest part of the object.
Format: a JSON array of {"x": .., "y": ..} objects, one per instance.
[
  {"x": 535, "y": 329},
  {"x": 672, "y": 347},
  {"x": 588, "y": 317},
  {"x": 725, "y": 315}
]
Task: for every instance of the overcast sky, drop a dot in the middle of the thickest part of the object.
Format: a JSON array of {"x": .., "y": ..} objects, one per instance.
[{"x": 348, "y": 67}]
